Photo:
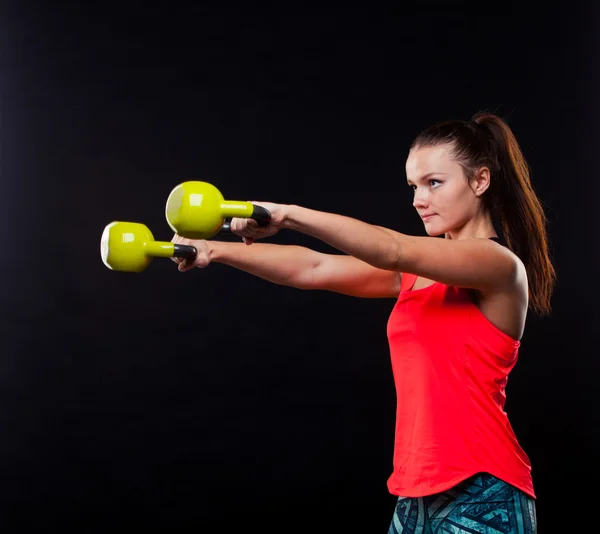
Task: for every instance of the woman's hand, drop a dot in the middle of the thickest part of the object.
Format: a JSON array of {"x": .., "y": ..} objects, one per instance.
[
  {"x": 202, "y": 258},
  {"x": 249, "y": 230}
]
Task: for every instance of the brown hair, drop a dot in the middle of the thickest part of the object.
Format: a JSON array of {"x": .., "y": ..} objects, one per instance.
[{"x": 517, "y": 213}]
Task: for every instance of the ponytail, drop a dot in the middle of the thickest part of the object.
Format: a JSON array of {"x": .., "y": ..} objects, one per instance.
[{"x": 519, "y": 211}]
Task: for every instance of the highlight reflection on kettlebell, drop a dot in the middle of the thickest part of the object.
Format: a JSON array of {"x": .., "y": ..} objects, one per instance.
[
  {"x": 197, "y": 210},
  {"x": 130, "y": 247}
]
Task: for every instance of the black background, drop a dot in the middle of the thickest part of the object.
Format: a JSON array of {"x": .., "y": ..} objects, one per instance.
[{"x": 213, "y": 401}]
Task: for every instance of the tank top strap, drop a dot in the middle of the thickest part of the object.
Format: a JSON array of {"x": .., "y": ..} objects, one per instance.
[{"x": 408, "y": 280}]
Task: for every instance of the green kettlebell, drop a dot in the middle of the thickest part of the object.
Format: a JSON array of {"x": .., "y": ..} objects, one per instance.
[
  {"x": 197, "y": 210},
  {"x": 130, "y": 247}
]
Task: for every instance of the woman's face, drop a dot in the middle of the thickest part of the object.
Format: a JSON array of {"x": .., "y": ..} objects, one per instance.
[{"x": 444, "y": 199}]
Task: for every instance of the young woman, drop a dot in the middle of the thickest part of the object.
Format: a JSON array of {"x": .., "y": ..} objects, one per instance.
[{"x": 455, "y": 330}]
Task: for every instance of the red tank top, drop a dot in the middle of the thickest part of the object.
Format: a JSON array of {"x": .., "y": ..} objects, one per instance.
[{"x": 450, "y": 367}]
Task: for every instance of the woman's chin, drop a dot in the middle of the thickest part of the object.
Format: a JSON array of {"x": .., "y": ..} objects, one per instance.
[{"x": 432, "y": 231}]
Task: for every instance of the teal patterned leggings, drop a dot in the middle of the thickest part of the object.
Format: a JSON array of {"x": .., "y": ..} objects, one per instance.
[{"x": 482, "y": 503}]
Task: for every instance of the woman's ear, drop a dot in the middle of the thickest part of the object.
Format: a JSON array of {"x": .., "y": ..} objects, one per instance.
[{"x": 480, "y": 181}]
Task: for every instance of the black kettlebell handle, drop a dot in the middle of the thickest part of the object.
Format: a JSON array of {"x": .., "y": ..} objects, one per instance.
[
  {"x": 261, "y": 215},
  {"x": 186, "y": 252}
]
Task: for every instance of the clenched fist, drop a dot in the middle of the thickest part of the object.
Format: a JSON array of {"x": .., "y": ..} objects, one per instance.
[
  {"x": 249, "y": 230},
  {"x": 202, "y": 258}
]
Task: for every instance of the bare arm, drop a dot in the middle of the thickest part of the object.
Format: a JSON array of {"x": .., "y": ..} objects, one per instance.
[
  {"x": 474, "y": 263},
  {"x": 303, "y": 268}
]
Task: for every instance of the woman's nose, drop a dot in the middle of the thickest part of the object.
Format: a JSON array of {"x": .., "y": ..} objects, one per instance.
[{"x": 420, "y": 199}]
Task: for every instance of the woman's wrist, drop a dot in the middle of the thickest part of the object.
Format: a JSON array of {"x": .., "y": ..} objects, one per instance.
[
  {"x": 215, "y": 250},
  {"x": 290, "y": 217}
]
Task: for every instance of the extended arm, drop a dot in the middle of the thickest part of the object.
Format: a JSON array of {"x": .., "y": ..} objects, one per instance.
[
  {"x": 474, "y": 263},
  {"x": 299, "y": 267}
]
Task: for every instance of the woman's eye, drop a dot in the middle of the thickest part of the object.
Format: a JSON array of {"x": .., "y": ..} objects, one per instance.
[{"x": 432, "y": 184}]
